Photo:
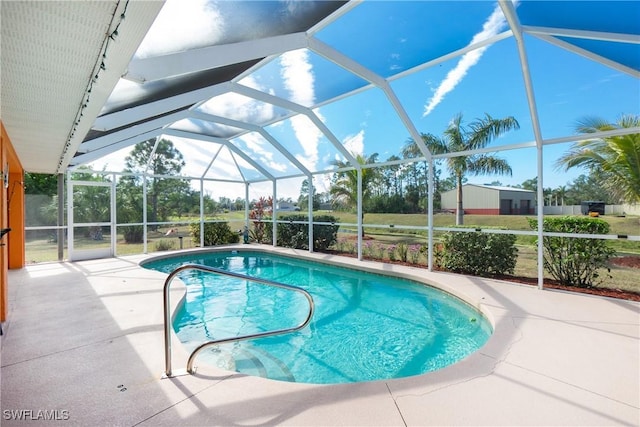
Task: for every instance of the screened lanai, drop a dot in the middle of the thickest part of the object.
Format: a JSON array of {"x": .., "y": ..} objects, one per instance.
[
  {"x": 261, "y": 96},
  {"x": 112, "y": 110}
]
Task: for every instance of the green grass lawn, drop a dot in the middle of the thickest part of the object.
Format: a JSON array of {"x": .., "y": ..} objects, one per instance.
[
  {"x": 619, "y": 225},
  {"x": 623, "y": 278}
]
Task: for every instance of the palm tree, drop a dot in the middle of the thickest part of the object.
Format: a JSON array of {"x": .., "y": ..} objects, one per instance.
[
  {"x": 617, "y": 157},
  {"x": 345, "y": 187},
  {"x": 477, "y": 135},
  {"x": 560, "y": 192}
]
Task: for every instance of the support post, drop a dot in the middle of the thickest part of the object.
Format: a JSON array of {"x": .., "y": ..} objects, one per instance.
[
  {"x": 60, "y": 230},
  {"x": 310, "y": 209},
  {"x": 246, "y": 213},
  {"x": 431, "y": 183},
  {"x": 113, "y": 216},
  {"x": 144, "y": 213},
  {"x": 540, "y": 195},
  {"x": 69, "y": 214},
  {"x": 359, "y": 209},
  {"x": 274, "y": 213},
  {"x": 201, "y": 215}
]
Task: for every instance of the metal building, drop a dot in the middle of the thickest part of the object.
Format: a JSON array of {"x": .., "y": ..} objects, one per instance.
[{"x": 491, "y": 200}]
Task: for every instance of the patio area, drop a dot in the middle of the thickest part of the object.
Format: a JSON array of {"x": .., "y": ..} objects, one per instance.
[{"x": 85, "y": 340}]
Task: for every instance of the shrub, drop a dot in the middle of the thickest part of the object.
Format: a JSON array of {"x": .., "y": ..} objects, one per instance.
[
  {"x": 414, "y": 252},
  {"x": 344, "y": 245},
  {"x": 260, "y": 232},
  {"x": 367, "y": 249},
  {"x": 403, "y": 251},
  {"x": 438, "y": 254},
  {"x": 133, "y": 233},
  {"x": 293, "y": 235},
  {"x": 378, "y": 251},
  {"x": 570, "y": 260},
  {"x": 391, "y": 252},
  {"x": 164, "y": 245},
  {"x": 259, "y": 214},
  {"x": 479, "y": 254},
  {"x": 215, "y": 233}
]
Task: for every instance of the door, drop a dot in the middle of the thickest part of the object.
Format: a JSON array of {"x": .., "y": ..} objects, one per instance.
[
  {"x": 505, "y": 206},
  {"x": 90, "y": 219}
]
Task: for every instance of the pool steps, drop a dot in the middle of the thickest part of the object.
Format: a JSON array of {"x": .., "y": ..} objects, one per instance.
[{"x": 203, "y": 268}]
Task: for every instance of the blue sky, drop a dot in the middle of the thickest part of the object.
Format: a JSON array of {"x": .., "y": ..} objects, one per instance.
[{"x": 387, "y": 38}]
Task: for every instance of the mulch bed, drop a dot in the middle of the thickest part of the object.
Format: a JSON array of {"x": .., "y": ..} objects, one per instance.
[
  {"x": 631, "y": 261},
  {"x": 624, "y": 261},
  {"x": 552, "y": 284}
]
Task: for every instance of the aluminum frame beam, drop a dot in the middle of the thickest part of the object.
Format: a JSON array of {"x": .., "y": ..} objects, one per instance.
[
  {"x": 205, "y": 58},
  {"x": 226, "y": 143}
]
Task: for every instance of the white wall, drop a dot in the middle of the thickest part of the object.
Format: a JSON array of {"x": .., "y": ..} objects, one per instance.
[
  {"x": 473, "y": 197},
  {"x": 608, "y": 210},
  {"x": 480, "y": 197}
]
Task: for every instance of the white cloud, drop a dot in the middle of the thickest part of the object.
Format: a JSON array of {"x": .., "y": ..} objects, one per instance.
[
  {"x": 309, "y": 137},
  {"x": 239, "y": 107},
  {"x": 492, "y": 26},
  {"x": 181, "y": 25},
  {"x": 263, "y": 150},
  {"x": 196, "y": 154},
  {"x": 298, "y": 79},
  {"x": 355, "y": 143}
]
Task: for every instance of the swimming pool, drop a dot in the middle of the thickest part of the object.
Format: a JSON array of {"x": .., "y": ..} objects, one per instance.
[{"x": 366, "y": 326}]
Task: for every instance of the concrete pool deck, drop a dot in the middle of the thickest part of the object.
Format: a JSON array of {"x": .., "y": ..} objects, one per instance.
[{"x": 84, "y": 342}]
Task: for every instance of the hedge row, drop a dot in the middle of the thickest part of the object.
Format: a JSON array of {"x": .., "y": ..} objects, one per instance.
[
  {"x": 478, "y": 254},
  {"x": 294, "y": 234}
]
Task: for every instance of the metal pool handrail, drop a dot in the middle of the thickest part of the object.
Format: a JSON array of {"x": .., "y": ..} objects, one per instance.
[{"x": 207, "y": 269}]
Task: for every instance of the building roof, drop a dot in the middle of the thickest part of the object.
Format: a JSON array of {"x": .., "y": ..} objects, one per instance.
[{"x": 502, "y": 188}]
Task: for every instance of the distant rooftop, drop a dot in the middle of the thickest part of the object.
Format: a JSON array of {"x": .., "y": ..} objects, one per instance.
[{"x": 500, "y": 187}]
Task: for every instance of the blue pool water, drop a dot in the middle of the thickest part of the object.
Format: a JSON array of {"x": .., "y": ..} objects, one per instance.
[{"x": 366, "y": 326}]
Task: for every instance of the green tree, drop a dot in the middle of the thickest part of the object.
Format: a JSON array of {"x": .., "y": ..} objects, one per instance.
[
  {"x": 224, "y": 203},
  {"x": 41, "y": 202},
  {"x": 344, "y": 187},
  {"x": 303, "y": 199},
  {"x": 238, "y": 204},
  {"x": 449, "y": 184},
  {"x": 588, "y": 187},
  {"x": 90, "y": 204},
  {"x": 210, "y": 206},
  {"x": 477, "y": 135},
  {"x": 129, "y": 202},
  {"x": 616, "y": 157},
  {"x": 530, "y": 184},
  {"x": 560, "y": 193},
  {"x": 548, "y": 194},
  {"x": 386, "y": 189},
  {"x": 391, "y": 178},
  {"x": 40, "y": 183},
  {"x": 164, "y": 161},
  {"x": 416, "y": 176}
]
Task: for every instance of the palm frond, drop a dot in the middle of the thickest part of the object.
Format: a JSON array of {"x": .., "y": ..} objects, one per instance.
[
  {"x": 488, "y": 165},
  {"x": 434, "y": 144},
  {"x": 618, "y": 157},
  {"x": 483, "y": 131}
]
